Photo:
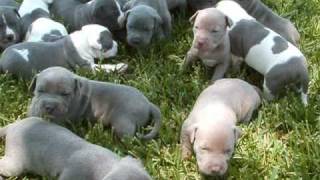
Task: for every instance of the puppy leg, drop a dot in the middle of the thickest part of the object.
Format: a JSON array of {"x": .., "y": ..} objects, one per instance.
[
  {"x": 220, "y": 70},
  {"x": 267, "y": 94},
  {"x": 123, "y": 127},
  {"x": 190, "y": 58},
  {"x": 10, "y": 167}
]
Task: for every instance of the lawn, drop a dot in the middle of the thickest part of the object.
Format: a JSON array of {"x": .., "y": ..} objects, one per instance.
[{"x": 281, "y": 142}]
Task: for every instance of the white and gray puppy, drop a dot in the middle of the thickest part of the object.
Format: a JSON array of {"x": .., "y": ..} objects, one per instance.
[
  {"x": 210, "y": 129},
  {"x": 36, "y": 18},
  {"x": 264, "y": 50},
  {"x": 63, "y": 96},
  {"x": 146, "y": 20},
  {"x": 11, "y": 27},
  {"x": 39, "y": 147},
  {"x": 211, "y": 41},
  {"x": 267, "y": 17},
  {"x": 79, "y": 49}
]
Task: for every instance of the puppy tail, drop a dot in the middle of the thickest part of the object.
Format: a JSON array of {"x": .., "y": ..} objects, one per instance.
[{"x": 156, "y": 116}]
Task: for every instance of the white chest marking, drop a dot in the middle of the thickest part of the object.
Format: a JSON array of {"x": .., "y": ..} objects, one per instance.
[
  {"x": 261, "y": 58},
  {"x": 24, "y": 53}
]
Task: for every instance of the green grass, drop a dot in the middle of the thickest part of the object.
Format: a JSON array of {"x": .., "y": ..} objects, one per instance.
[{"x": 281, "y": 142}]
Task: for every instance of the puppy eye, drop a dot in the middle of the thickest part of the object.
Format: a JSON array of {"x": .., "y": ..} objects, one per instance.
[
  {"x": 205, "y": 149},
  {"x": 227, "y": 151},
  {"x": 65, "y": 94},
  {"x": 40, "y": 91},
  {"x": 214, "y": 31},
  {"x": 196, "y": 27}
]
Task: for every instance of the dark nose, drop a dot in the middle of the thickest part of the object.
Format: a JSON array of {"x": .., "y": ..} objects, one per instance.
[
  {"x": 135, "y": 41},
  {"x": 10, "y": 37},
  {"x": 49, "y": 108}
]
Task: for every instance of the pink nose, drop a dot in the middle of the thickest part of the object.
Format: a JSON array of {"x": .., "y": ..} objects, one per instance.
[{"x": 216, "y": 169}]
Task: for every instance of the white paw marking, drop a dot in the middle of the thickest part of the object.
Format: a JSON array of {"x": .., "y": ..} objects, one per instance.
[{"x": 23, "y": 53}]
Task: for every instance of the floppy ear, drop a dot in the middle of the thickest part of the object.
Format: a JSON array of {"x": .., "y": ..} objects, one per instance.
[
  {"x": 237, "y": 132},
  {"x": 193, "y": 17},
  {"x": 193, "y": 132},
  {"x": 33, "y": 83},
  {"x": 122, "y": 20},
  {"x": 229, "y": 22}
]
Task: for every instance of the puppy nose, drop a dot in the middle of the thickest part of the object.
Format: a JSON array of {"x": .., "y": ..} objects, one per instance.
[
  {"x": 49, "y": 108},
  {"x": 9, "y": 37},
  {"x": 136, "y": 41},
  {"x": 216, "y": 169}
]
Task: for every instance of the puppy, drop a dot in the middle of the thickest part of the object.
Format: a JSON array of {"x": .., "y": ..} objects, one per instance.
[
  {"x": 63, "y": 96},
  {"x": 76, "y": 50},
  {"x": 210, "y": 129},
  {"x": 76, "y": 14},
  {"x": 146, "y": 20},
  {"x": 211, "y": 41},
  {"x": 264, "y": 50},
  {"x": 37, "y": 23},
  {"x": 264, "y": 15},
  {"x": 11, "y": 26},
  {"x": 43, "y": 148}
]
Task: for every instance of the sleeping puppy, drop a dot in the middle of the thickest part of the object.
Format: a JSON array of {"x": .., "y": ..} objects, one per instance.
[
  {"x": 10, "y": 25},
  {"x": 211, "y": 42},
  {"x": 76, "y": 14},
  {"x": 264, "y": 15},
  {"x": 281, "y": 63},
  {"x": 79, "y": 49},
  {"x": 210, "y": 130},
  {"x": 62, "y": 96},
  {"x": 146, "y": 20},
  {"x": 36, "y": 146},
  {"x": 37, "y": 23}
]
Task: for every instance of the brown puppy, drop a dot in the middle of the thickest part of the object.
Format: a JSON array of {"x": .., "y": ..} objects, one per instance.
[{"x": 211, "y": 126}]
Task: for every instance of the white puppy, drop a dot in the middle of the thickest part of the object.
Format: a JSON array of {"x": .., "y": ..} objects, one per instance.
[{"x": 264, "y": 50}]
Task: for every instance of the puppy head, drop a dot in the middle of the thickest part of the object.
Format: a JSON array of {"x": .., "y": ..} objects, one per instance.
[
  {"x": 106, "y": 12},
  {"x": 202, "y": 4},
  {"x": 142, "y": 23},
  {"x": 10, "y": 27},
  {"x": 213, "y": 146},
  {"x": 100, "y": 41},
  {"x": 54, "y": 90},
  {"x": 128, "y": 168},
  {"x": 210, "y": 28}
]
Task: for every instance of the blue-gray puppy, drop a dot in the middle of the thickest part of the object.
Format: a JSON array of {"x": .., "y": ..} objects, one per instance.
[
  {"x": 281, "y": 63},
  {"x": 63, "y": 96},
  {"x": 10, "y": 24},
  {"x": 76, "y": 14},
  {"x": 43, "y": 148},
  {"x": 146, "y": 20}
]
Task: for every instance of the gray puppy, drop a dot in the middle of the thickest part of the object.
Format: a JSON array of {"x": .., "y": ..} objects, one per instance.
[
  {"x": 76, "y": 14},
  {"x": 263, "y": 14},
  {"x": 76, "y": 50},
  {"x": 146, "y": 20},
  {"x": 43, "y": 148},
  {"x": 210, "y": 129},
  {"x": 61, "y": 95},
  {"x": 11, "y": 26},
  {"x": 211, "y": 41}
]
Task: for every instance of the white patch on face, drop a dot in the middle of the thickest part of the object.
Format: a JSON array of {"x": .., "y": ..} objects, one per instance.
[
  {"x": 24, "y": 53},
  {"x": 234, "y": 11},
  {"x": 113, "y": 51},
  {"x": 9, "y": 31},
  {"x": 28, "y": 6},
  {"x": 261, "y": 58},
  {"x": 304, "y": 98},
  {"x": 119, "y": 9}
]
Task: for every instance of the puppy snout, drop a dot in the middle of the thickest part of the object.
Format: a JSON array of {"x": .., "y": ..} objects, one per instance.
[
  {"x": 136, "y": 41},
  {"x": 216, "y": 169},
  {"x": 50, "y": 108}
]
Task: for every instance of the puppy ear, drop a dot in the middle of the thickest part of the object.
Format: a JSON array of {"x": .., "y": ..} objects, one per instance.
[
  {"x": 33, "y": 83},
  {"x": 193, "y": 133},
  {"x": 229, "y": 22},
  {"x": 193, "y": 17},
  {"x": 123, "y": 19},
  {"x": 237, "y": 132},
  {"x": 17, "y": 12}
]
